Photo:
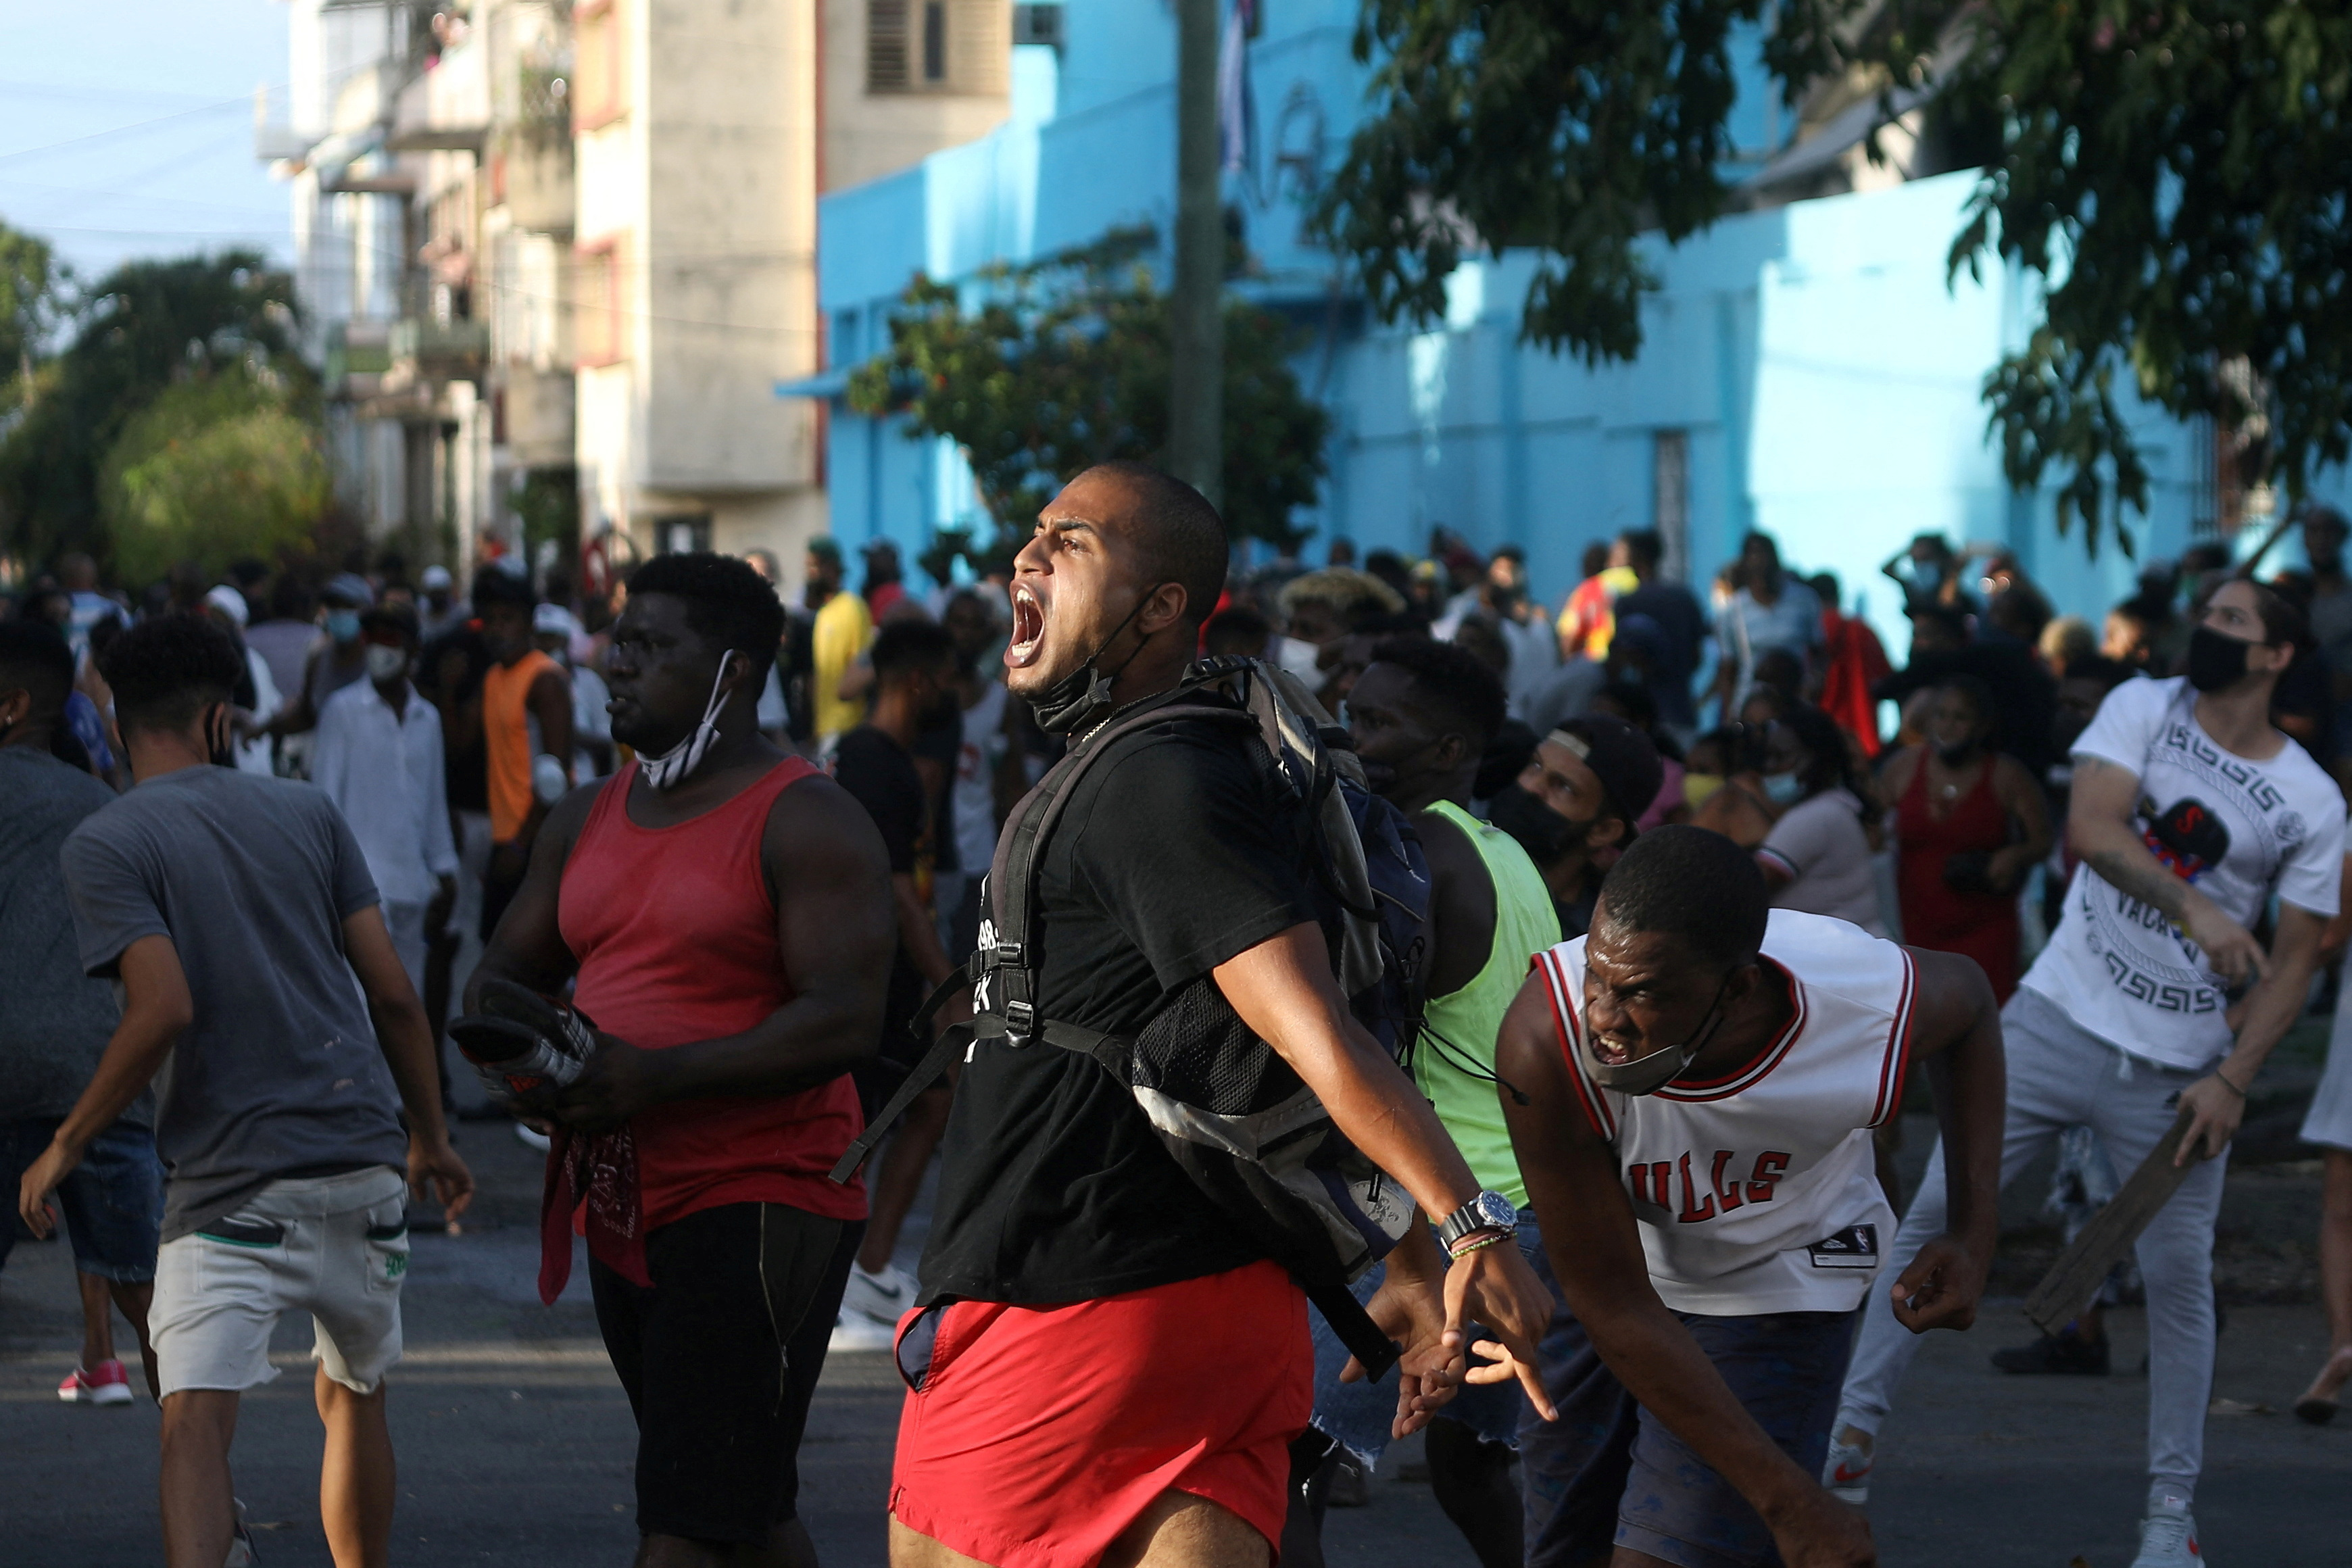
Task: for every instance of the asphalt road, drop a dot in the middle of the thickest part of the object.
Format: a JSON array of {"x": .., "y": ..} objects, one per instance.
[{"x": 515, "y": 1442}]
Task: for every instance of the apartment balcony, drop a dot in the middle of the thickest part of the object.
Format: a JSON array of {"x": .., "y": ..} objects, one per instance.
[
  {"x": 358, "y": 355},
  {"x": 531, "y": 176},
  {"x": 424, "y": 350},
  {"x": 535, "y": 415}
]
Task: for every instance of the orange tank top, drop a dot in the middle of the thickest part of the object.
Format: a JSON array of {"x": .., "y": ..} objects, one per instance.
[{"x": 505, "y": 737}]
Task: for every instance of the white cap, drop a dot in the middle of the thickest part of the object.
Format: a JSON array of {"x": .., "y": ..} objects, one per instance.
[
  {"x": 436, "y": 578},
  {"x": 228, "y": 602},
  {"x": 553, "y": 618}
]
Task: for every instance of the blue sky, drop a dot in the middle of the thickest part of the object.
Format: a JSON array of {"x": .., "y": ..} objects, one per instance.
[{"x": 126, "y": 127}]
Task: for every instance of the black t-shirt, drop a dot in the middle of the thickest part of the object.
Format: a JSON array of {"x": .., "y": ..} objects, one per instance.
[
  {"x": 880, "y": 774},
  {"x": 1053, "y": 1187},
  {"x": 942, "y": 744},
  {"x": 466, "y": 768}
]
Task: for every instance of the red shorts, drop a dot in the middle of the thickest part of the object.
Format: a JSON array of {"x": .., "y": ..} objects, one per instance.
[{"x": 1039, "y": 1433}]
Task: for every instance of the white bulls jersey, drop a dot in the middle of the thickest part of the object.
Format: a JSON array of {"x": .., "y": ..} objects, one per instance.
[{"x": 1756, "y": 1192}]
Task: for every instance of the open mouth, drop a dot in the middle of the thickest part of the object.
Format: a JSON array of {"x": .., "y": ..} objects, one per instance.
[
  {"x": 1615, "y": 1053},
  {"x": 1028, "y": 629}
]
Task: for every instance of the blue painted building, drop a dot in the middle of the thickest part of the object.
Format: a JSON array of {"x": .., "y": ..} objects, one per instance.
[{"x": 1807, "y": 368}]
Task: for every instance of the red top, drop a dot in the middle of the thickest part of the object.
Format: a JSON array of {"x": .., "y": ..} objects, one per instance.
[
  {"x": 1856, "y": 661},
  {"x": 675, "y": 936},
  {"x": 1982, "y": 926}
]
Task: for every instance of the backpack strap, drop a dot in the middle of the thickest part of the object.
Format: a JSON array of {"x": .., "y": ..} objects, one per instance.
[
  {"x": 1007, "y": 987},
  {"x": 1365, "y": 1339}
]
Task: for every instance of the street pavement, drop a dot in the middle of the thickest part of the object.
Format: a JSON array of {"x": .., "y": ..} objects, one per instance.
[{"x": 515, "y": 1442}]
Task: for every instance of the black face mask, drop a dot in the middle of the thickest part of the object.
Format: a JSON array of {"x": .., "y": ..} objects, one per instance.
[
  {"x": 2216, "y": 661},
  {"x": 1953, "y": 756},
  {"x": 1542, "y": 832},
  {"x": 1081, "y": 700}
]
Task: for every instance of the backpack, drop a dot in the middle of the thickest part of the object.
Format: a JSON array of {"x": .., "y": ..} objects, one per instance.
[{"x": 1239, "y": 1121}]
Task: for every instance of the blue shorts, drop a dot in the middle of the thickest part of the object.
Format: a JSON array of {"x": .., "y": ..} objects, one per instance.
[
  {"x": 113, "y": 1201},
  {"x": 1358, "y": 1415},
  {"x": 1608, "y": 1473}
]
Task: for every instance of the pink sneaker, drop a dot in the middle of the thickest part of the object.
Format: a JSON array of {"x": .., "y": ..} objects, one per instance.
[{"x": 105, "y": 1384}]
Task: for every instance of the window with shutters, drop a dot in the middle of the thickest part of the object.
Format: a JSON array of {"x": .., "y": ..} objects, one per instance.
[{"x": 937, "y": 45}]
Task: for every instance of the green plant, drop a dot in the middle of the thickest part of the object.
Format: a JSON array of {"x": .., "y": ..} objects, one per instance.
[
  {"x": 215, "y": 469},
  {"x": 1039, "y": 371}
]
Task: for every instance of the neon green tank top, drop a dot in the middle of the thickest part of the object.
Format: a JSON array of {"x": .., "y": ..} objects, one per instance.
[{"x": 1465, "y": 1023}]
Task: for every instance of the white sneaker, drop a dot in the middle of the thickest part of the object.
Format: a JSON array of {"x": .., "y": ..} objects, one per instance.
[
  {"x": 2168, "y": 1538},
  {"x": 882, "y": 1297},
  {"x": 856, "y": 1332},
  {"x": 1847, "y": 1472}
]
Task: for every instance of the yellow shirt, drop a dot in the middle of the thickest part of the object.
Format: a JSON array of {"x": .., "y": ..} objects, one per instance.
[{"x": 842, "y": 631}]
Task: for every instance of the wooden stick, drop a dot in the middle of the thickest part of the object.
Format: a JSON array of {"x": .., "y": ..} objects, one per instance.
[{"x": 2066, "y": 1292}]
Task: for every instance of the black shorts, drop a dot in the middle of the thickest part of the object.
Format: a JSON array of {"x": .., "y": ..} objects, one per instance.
[{"x": 720, "y": 1358}]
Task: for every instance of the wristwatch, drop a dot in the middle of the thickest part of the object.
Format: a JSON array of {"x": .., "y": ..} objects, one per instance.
[{"x": 1488, "y": 1211}]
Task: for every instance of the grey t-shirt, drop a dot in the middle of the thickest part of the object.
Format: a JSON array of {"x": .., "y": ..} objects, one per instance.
[
  {"x": 54, "y": 1020},
  {"x": 280, "y": 1073}
]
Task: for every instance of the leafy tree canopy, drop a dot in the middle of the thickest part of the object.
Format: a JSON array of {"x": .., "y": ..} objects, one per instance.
[
  {"x": 136, "y": 332},
  {"x": 29, "y": 281},
  {"x": 2172, "y": 170},
  {"x": 214, "y": 469},
  {"x": 1039, "y": 371}
]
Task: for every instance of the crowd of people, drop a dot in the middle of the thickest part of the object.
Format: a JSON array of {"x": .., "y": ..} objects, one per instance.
[{"x": 1060, "y": 878}]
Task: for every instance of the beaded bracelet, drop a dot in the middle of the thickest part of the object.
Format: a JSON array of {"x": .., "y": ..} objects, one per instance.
[{"x": 1465, "y": 1248}]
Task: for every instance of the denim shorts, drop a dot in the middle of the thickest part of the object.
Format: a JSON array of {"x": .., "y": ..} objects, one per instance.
[
  {"x": 112, "y": 1201},
  {"x": 1608, "y": 1473}
]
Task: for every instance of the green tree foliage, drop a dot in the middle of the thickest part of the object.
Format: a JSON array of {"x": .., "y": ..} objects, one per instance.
[
  {"x": 29, "y": 280},
  {"x": 2177, "y": 174},
  {"x": 144, "y": 327},
  {"x": 1566, "y": 127},
  {"x": 2172, "y": 172},
  {"x": 1038, "y": 372},
  {"x": 214, "y": 469}
]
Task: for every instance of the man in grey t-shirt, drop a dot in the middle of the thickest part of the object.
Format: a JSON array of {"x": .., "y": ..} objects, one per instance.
[
  {"x": 259, "y": 982},
  {"x": 56, "y": 1021}
]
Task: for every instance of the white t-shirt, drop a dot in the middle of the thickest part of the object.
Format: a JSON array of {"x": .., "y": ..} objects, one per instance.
[
  {"x": 2235, "y": 829},
  {"x": 1820, "y": 844},
  {"x": 1758, "y": 1193}
]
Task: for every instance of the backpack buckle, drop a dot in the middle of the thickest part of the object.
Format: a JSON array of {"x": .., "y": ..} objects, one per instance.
[
  {"x": 1007, "y": 952},
  {"x": 1019, "y": 1019}
]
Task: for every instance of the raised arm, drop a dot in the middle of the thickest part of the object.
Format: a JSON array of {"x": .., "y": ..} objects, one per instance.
[
  {"x": 1956, "y": 1036},
  {"x": 1283, "y": 990},
  {"x": 2099, "y": 829},
  {"x": 830, "y": 876},
  {"x": 1595, "y": 1247}
]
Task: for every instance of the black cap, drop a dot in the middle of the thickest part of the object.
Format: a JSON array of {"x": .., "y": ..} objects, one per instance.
[{"x": 1623, "y": 758}]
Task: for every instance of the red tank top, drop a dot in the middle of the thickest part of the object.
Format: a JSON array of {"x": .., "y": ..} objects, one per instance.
[
  {"x": 1982, "y": 926},
  {"x": 675, "y": 936}
]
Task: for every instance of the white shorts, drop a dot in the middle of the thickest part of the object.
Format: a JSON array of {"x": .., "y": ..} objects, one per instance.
[{"x": 334, "y": 1246}]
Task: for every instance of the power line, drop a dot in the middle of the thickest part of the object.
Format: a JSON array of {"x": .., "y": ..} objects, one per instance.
[{"x": 125, "y": 129}]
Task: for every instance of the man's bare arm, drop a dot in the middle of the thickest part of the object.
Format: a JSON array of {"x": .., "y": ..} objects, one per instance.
[
  {"x": 156, "y": 1008},
  {"x": 1595, "y": 1247},
  {"x": 1956, "y": 1036},
  {"x": 2269, "y": 1010},
  {"x": 404, "y": 1036},
  {"x": 1284, "y": 991},
  {"x": 528, "y": 948},
  {"x": 835, "y": 929},
  {"x": 2104, "y": 798}
]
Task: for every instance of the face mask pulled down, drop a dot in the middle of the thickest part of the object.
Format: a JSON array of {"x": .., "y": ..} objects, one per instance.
[
  {"x": 1081, "y": 698},
  {"x": 672, "y": 768},
  {"x": 385, "y": 662},
  {"x": 1649, "y": 1074}
]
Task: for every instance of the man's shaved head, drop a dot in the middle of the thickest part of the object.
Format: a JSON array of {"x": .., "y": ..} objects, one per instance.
[{"x": 1177, "y": 532}]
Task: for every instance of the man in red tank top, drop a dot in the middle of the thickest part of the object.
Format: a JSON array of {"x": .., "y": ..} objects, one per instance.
[{"x": 725, "y": 911}]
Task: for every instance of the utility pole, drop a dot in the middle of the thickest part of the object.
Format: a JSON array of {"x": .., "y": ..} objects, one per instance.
[{"x": 1196, "y": 403}]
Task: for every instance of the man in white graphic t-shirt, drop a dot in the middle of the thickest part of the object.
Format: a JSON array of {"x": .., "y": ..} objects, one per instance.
[
  {"x": 1690, "y": 1091},
  {"x": 2189, "y": 812}
]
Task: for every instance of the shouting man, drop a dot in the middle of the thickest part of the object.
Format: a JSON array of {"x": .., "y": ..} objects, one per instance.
[
  {"x": 1159, "y": 1362},
  {"x": 727, "y": 912}
]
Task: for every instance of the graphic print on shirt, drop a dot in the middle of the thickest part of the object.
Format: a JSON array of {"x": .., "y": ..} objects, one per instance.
[{"x": 2190, "y": 838}]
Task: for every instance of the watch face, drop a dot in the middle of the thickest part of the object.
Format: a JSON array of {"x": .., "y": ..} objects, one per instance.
[{"x": 1496, "y": 1210}]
